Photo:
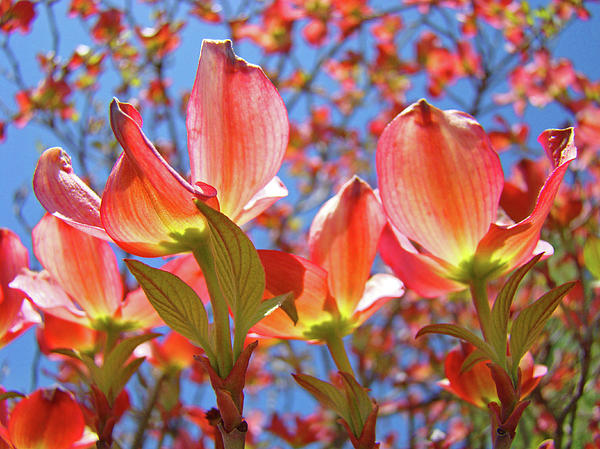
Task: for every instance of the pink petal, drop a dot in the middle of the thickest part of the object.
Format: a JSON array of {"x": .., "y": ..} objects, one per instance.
[
  {"x": 65, "y": 195},
  {"x": 14, "y": 258},
  {"x": 84, "y": 266},
  {"x": 237, "y": 127},
  {"x": 440, "y": 180},
  {"x": 47, "y": 295},
  {"x": 25, "y": 318},
  {"x": 420, "y": 272},
  {"x": 136, "y": 309},
  {"x": 509, "y": 246},
  {"x": 147, "y": 207},
  {"x": 284, "y": 273},
  {"x": 379, "y": 289},
  {"x": 262, "y": 200},
  {"x": 343, "y": 240}
]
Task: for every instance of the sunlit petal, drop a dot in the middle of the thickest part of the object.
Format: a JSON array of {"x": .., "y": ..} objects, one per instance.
[
  {"x": 147, "y": 207},
  {"x": 266, "y": 196},
  {"x": 84, "y": 266},
  {"x": 284, "y": 273},
  {"x": 440, "y": 180},
  {"x": 379, "y": 289},
  {"x": 420, "y": 272},
  {"x": 38, "y": 421},
  {"x": 343, "y": 240},
  {"x": 237, "y": 127},
  {"x": 65, "y": 195},
  {"x": 14, "y": 257},
  {"x": 510, "y": 246}
]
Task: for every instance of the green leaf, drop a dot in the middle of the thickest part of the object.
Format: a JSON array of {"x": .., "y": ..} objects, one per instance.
[
  {"x": 116, "y": 358},
  {"x": 530, "y": 322},
  {"x": 459, "y": 332},
  {"x": 125, "y": 373},
  {"x": 175, "y": 302},
  {"x": 239, "y": 270},
  {"x": 268, "y": 306},
  {"x": 361, "y": 405},
  {"x": 591, "y": 256},
  {"x": 473, "y": 358},
  {"x": 501, "y": 308},
  {"x": 327, "y": 394}
]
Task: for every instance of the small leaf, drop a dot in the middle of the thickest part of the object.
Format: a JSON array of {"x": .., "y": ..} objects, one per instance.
[
  {"x": 472, "y": 359},
  {"x": 67, "y": 352},
  {"x": 116, "y": 358},
  {"x": 268, "y": 306},
  {"x": 459, "y": 332},
  {"x": 501, "y": 308},
  {"x": 591, "y": 256},
  {"x": 239, "y": 270},
  {"x": 361, "y": 405},
  {"x": 119, "y": 381},
  {"x": 327, "y": 394},
  {"x": 176, "y": 303},
  {"x": 530, "y": 322},
  {"x": 11, "y": 395}
]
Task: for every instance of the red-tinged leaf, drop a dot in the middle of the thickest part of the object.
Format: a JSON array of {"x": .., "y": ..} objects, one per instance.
[
  {"x": 507, "y": 393},
  {"x": 230, "y": 414},
  {"x": 239, "y": 270},
  {"x": 501, "y": 307},
  {"x": 176, "y": 303},
  {"x": 530, "y": 322},
  {"x": 459, "y": 332},
  {"x": 328, "y": 395},
  {"x": 591, "y": 256}
]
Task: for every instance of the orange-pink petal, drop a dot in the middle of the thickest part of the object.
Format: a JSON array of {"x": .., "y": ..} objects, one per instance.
[
  {"x": 264, "y": 198},
  {"x": 47, "y": 419},
  {"x": 284, "y": 273},
  {"x": 65, "y": 195},
  {"x": 47, "y": 295},
  {"x": 440, "y": 180},
  {"x": 14, "y": 258},
  {"x": 84, "y": 266},
  {"x": 509, "y": 246},
  {"x": 147, "y": 207},
  {"x": 237, "y": 127},
  {"x": 343, "y": 240},
  {"x": 379, "y": 289},
  {"x": 420, "y": 272}
]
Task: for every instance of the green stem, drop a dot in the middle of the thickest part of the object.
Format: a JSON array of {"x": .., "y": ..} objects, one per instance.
[
  {"x": 336, "y": 347},
  {"x": 220, "y": 310},
  {"x": 482, "y": 305}
]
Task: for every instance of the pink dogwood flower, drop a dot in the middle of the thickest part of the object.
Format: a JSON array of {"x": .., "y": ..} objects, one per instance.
[
  {"x": 237, "y": 135},
  {"x": 440, "y": 183}
]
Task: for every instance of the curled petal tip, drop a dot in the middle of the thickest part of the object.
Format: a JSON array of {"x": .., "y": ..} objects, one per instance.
[
  {"x": 559, "y": 145},
  {"x": 424, "y": 109}
]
